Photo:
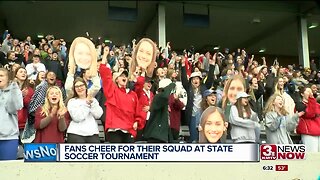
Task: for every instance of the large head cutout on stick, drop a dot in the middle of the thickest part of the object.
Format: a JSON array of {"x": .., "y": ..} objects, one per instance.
[
  {"x": 144, "y": 55},
  {"x": 83, "y": 54}
]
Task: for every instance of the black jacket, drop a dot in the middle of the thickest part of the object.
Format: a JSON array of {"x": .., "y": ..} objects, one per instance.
[
  {"x": 157, "y": 126},
  {"x": 188, "y": 87}
]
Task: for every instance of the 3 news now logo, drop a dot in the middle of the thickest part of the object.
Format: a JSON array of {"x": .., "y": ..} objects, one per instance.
[
  {"x": 40, "y": 152},
  {"x": 281, "y": 151}
]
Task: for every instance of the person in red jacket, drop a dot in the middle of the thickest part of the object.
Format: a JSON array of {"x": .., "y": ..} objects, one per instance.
[
  {"x": 123, "y": 109},
  {"x": 143, "y": 89},
  {"x": 309, "y": 123}
]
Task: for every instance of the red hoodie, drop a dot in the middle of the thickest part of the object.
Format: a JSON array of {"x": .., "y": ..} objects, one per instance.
[
  {"x": 144, "y": 99},
  {"x": 23, "y": 113},
  {"x": 122, "y": 108},
  {"x": 309, "y": 123}
]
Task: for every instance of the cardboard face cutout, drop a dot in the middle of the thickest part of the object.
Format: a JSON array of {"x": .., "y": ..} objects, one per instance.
[
  {"x": 83, "y": 54},
  {"x": 144, "y": 55}
]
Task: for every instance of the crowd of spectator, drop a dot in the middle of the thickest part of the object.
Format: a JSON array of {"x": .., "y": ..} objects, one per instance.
[{"x": 52, "y": 92}]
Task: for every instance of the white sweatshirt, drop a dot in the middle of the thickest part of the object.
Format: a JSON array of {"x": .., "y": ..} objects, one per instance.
[{"x": 84, "y": 117}]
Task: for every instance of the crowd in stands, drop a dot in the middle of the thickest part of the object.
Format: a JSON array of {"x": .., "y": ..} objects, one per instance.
[{"x": 52, "y": 92}]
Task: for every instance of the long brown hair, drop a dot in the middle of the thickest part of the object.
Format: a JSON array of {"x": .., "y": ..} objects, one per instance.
[
  {"x": 204, "y": 103},
  {"x": 73, "y": 93},
  {"x": 240, "y": 108},
  {"x": 227, "y": 86},
  {"x": 25, "y": 83},
  {"x": 133, "y": 64},
  {"x": 78, "y": 79},
  {"x": 204, "y": 117}
]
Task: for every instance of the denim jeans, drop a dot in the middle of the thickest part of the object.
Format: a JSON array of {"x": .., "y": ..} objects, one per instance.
[
  {"x": 8, "y": 149},
  {"x": 193, "y": 127}
]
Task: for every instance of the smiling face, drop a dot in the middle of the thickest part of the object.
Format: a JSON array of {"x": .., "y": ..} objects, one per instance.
[
  {"x": 82, "y": 56},
  {"x": 122, "y": 80},
  {"x": 54, "y": 96},
  {"x": 195, "y": 81},
  {"x": 278, "y": 102},
  {"x": 21, "y": 74},
  {"x": 211, "y": 99},
  {"x": 307, "y": 94},
  {"x": 144, "y": 54},
  {"x": 235, "y": 87},
  {"x": 4, "y": 80},
  {"x": 214, "y": 127},
  {"x": 51, "y": 78},
  {"x": 160, "y": 73},
  {"x": 41, "y": 75},
  {"x": 280, "y": 83},
  {"x": 80, "y": 89},
  {"x": 147, "y": 86}
]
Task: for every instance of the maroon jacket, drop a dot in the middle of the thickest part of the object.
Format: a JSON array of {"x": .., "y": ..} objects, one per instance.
[
  {"x": 23, "y": 113},
  {"x": 309, "y": 123},
  {"x": 51, "y": 133},
  {"x": 175, "y": 115},
  {"x": 144, "y": 100}
]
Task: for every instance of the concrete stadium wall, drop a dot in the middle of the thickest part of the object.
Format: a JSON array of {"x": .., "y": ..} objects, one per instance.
[{"x": 308, "y": 169}]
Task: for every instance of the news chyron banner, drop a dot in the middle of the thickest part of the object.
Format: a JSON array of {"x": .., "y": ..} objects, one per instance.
[
  {"x": 141, "y": 153},
  {"x": 282, "y": 152}
]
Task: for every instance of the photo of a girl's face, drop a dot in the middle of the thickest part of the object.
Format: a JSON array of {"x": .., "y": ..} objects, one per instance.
[
  {"x": 144, "y": 54},
  {"x": 82, "y": 56},
  {"x": 235, "y": 87},
  {"x": 214, "y": 127}
]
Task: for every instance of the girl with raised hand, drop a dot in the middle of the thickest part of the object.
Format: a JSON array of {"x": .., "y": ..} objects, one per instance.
[
  {"x": 123, "y": 109},
  {"x": 83, "y": 112},
  {"x": 278, "y": 121},
  {"x": 51, "y": 119}
]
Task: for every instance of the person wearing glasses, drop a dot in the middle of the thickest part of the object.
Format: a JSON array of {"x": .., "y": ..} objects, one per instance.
[{"x": 83, "y": 111}]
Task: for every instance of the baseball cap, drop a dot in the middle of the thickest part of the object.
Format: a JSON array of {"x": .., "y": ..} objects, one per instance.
[
  {"x": 209, "y": 92},
  {"x": 242, "y": 95},
  {"x": 164, "y": 83},
  {"x": 196, "y": 74},
  {"x": 115, "y": 75}
]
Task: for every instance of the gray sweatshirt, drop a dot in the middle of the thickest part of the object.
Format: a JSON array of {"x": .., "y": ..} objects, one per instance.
[
  {"x": 243, "y": 130},
  {"x": 278, "y": 127},
  {"x": 11, "y": 101}
]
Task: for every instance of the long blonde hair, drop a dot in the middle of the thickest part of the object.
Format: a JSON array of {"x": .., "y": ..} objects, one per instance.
[
  {"x": 270, "y": 107},
  {"x": 276, "y": 90},
  {"x": 93, "y": 68},
  {"x": 150, "y": 68},
  {"x": 47, "y": 106}
]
